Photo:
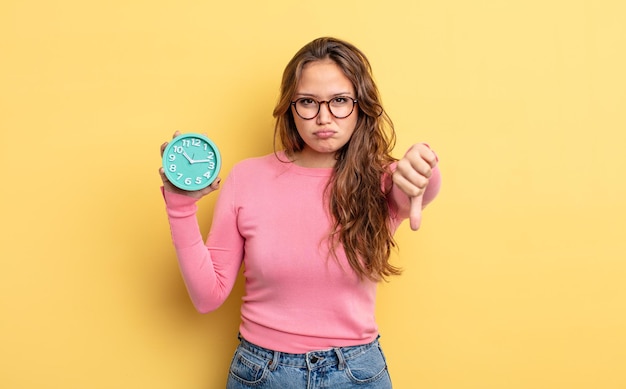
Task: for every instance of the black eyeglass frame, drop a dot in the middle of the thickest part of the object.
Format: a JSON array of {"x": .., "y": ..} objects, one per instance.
[{"x": 319, "y": 106}]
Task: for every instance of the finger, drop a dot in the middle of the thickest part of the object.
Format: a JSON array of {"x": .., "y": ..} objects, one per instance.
[
  {"x": 418, "y": 159},
  {"x": 407, "y": 187},
  {"x": 164, "y": 145},
  {"x": 411, "y": 181},
  {"x": 430, "y": 156},
  {"x": 421, "y": 152},
  {"x": 163, "y": 176},
  {"x": 422, "y": 166},
  {"x": 215, "y": 185},
  {"x": 415, "y": 213}
]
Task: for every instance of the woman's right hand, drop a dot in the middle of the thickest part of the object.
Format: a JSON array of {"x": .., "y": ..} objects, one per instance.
[{"x": 196, "y": 194}]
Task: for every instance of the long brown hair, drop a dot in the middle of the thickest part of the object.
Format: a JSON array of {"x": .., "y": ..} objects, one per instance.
[{"x": 357, "y": 201}]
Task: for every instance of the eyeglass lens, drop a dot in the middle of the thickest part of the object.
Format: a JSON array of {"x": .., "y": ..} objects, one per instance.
[{"x": 339, "y": 107}]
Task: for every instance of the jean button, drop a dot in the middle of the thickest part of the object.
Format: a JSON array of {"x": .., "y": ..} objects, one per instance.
[{"x": 314, "y": 359}]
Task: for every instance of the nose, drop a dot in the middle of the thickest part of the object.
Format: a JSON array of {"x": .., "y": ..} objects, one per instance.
[{"x": 324, "y": 115}]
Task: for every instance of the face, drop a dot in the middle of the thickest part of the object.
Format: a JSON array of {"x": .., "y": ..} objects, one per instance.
[{"x": 323, "y": 135}]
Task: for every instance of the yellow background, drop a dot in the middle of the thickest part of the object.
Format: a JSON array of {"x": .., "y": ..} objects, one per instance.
[{"x": 516, "y": 280}]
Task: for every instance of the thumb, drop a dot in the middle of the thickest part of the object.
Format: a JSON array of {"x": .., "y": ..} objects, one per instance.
[{"x": 415, "y": 213}]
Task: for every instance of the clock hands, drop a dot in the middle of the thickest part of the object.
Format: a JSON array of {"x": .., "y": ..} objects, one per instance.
[
  {"x": 192, "y": 161},
  {"x": 188, "y": 158}
]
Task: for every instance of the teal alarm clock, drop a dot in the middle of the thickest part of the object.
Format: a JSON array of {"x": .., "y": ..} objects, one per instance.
[{"x": 191, "y": 161}]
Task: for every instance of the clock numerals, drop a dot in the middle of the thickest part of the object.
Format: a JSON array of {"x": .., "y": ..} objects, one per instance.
[
  {"x": 189, "y": 180},
  {"x": 191, "y": 162},
  {"x": 193, "y": 142}
]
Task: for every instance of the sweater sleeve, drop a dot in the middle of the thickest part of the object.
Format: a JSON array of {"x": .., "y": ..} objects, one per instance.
[{"x": 209, "y": 269}]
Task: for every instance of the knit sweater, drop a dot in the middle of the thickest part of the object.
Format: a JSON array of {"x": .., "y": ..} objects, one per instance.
[{"x": 271, "y": 218}]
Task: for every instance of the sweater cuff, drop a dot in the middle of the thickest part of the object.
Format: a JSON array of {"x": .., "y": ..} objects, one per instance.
[{"x": 179, "y": 205}]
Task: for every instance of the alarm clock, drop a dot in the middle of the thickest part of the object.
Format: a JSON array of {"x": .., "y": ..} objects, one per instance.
[{"x": 191, "y": 161}]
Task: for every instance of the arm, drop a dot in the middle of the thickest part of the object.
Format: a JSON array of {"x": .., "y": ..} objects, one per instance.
[{"x": 209, "y": 270}]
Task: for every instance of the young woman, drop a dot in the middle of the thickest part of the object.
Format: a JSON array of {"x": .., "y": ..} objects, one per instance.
[{"x": 313, "y": 226}]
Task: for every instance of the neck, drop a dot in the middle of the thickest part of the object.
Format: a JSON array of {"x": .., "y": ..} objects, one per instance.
[{"x": 309, "y": 159}]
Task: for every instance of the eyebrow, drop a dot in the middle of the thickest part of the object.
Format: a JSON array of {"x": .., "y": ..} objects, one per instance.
[{"x": 316, "y": 96}]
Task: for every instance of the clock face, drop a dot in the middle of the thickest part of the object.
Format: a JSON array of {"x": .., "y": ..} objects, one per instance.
[{"x": 191, "y": 161}]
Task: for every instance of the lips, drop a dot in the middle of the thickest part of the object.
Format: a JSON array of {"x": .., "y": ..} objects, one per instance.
[{"x": 324, "y": 134}]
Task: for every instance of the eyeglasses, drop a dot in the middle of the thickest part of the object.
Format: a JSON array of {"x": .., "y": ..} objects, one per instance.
[{"x": 340, "y": 107}]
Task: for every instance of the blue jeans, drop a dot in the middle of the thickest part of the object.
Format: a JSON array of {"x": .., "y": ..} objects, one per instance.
[{"x": 346, "y": 367}]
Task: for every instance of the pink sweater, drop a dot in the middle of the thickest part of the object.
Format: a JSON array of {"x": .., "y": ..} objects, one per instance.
[{"x": 270, "y": 216}]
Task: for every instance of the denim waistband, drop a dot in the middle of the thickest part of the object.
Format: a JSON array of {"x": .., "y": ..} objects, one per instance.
[{"x": 335, "y": 356}]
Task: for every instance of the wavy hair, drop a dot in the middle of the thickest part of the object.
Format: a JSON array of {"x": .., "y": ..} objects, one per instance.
[{"x": 356, "y": 198}]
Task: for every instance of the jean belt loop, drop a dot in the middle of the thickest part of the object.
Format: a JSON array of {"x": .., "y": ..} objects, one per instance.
[
  {"x": 342, "y": 360},
  {"x": 274, "y": 362}
]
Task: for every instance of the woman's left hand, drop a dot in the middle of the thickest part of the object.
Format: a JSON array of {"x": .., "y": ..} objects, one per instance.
[{"x": 412, "y": 175}]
